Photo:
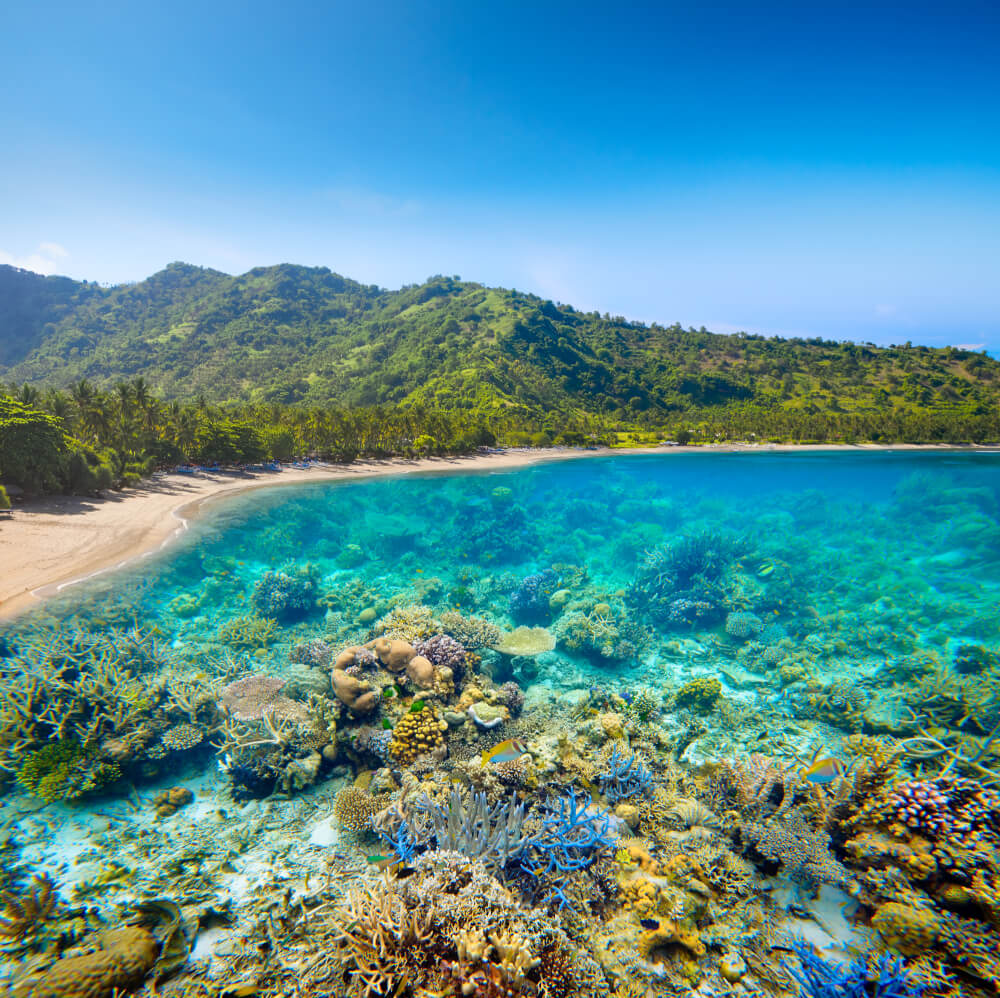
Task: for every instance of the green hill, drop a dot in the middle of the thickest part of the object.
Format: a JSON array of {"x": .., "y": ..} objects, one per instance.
[{"x": 290, "y": 334}]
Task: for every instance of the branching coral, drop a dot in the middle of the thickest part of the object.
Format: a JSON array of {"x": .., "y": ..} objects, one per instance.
[
  {"x": 493, "y": 835},
  {"x": 885, "y": 978},
  {"x": 249, "y": 633},
  {"x": 625, "y": 777},
  {"x": 31, "y": 920}
]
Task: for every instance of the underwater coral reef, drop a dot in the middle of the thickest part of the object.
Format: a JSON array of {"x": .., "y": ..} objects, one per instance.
[{"x": 632, "y": 727}]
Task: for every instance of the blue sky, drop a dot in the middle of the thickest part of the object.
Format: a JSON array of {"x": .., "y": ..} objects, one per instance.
[{"x": 793, "y": 168}]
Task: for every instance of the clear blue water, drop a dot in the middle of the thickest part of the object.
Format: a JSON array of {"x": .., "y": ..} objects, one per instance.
[
  {"x": 908, "y": 541},
  {"x": 812, "y": 586}
]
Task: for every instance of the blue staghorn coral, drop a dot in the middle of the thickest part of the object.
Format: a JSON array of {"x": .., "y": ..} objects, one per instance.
[
  {"x": 625, "y": 778},
  {"x": 573, "y": 832},
  {"x": 886, "y": 978}
]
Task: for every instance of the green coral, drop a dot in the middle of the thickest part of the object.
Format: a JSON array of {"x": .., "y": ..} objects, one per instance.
[
  {"x": 643, "y": 705},
  {"x": 249, "y": 633},
  {"x": 185, "y": 605},
  {"x": 64, "y": 770},
  {"x": 699, "y": 694}
]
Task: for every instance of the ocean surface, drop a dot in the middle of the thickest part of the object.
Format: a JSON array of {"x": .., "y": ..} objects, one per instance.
[{"x": 692, "y": 611}]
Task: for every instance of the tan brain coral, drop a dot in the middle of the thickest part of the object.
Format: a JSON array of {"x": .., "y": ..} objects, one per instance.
[{"x": 120, "y": 961}]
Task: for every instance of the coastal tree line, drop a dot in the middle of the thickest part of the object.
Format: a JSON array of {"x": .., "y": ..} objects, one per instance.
[{"x": 86, "y": 439}]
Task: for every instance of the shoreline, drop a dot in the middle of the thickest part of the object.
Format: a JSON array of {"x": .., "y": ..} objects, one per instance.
[{"x": 52, "y": 543}]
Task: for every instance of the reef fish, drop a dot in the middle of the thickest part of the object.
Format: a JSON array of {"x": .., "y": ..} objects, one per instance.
[
  {"x": 506, "y": 751},
  {"x": 822, "y": 771},
  {"x": 382, "y": 862}
]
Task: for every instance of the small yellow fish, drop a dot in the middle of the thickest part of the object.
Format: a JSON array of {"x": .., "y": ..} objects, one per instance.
[
  {"x": 506, "y": 751},
  {"x": 822, "y": 771}
]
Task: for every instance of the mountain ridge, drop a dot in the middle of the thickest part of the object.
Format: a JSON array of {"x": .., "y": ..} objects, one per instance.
[{"x": 289, "y": 334}]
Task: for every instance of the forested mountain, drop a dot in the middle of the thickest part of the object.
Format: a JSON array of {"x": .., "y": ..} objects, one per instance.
[{"x": 290, "y": 334}]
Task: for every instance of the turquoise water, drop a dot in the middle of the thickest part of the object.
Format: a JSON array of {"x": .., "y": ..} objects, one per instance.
[
  {"x": 907, "y": 545},
  {"x": 750, "y": 611}
]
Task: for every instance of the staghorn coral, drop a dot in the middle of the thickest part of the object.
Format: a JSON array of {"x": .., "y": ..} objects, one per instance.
[
  {"x": 31, "y": 920},
  {"x": 625, "y": 777},
  {"x": 687, "y": 581},
  {"x": 886, "y": 978},
  {"x": 493, "y": 835},
  {"x": 755, "y": 787},
  {"x": 599, "y": 635},
  {"x": 448, "y": 929},
  {"x": 83, "y": 687},
  {"x": 249, "y": 633}
]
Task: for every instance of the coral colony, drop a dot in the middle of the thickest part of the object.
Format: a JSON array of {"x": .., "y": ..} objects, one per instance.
[{"x": 622, "y": 728}]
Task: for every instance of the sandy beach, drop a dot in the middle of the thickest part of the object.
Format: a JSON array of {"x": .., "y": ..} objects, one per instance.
[{"x": 51, "y": 543}]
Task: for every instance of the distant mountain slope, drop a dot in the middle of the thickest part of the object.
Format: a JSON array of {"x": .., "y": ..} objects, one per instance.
[{"x": 299, "y": 334}]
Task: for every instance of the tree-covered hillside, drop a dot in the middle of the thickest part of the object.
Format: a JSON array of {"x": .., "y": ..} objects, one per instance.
[{"x": 290, "y": 334}]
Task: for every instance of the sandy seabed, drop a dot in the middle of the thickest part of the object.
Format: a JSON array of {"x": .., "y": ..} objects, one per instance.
[{"x": 51, "y": 543}]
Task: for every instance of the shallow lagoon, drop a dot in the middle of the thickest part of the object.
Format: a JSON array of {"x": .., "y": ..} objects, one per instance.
[{"x": 829, "y": 595}]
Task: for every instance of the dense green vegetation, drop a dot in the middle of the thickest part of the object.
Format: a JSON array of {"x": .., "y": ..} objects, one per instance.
[{"x": 195, "y": 365}]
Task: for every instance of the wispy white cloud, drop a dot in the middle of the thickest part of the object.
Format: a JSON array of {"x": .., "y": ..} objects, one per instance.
[{"x": 44, "y": 260}]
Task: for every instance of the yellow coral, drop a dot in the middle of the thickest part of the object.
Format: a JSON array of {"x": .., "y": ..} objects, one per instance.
[
  {"x": 699, "y": 694},
  {"x": 415, "y": 734},
  {"x": 669, "y": 933},
  {"x": 905, "y": 929}
]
